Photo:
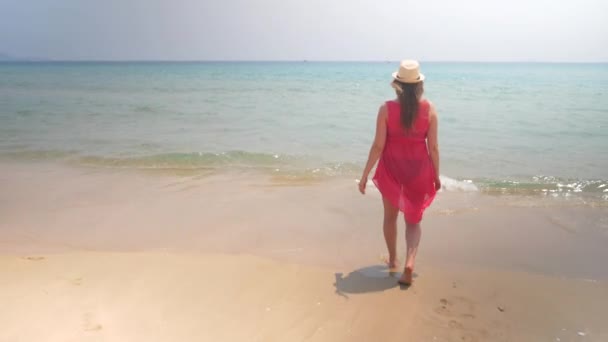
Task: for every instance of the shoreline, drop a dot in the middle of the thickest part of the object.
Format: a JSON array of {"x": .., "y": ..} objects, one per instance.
[
  {"x": 298, "y": 170},
  {"x": 53, "y": 208}
]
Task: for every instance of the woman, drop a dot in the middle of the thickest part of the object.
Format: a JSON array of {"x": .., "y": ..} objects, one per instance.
[{"x": 408, "y": 171}]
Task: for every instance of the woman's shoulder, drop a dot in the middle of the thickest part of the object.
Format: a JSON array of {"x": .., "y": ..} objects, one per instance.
[
  {"x": 427, "y": 103},
  {"x": 391, "y": 104},
  {"x": 387, "y": 105},
  {"x": 432, "y": 112},
  {"x": 383, "y": 111}
]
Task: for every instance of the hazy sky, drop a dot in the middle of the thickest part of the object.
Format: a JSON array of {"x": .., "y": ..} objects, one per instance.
[{"x": 444, "y": 30}]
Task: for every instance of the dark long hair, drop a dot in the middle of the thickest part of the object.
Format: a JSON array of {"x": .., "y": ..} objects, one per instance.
[{"x": 409, "y": 95}]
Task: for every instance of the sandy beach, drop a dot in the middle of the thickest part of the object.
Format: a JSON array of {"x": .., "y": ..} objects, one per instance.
[
  {"x": 90, "y": 254},
  {"x": 105, "y": 296},
  {"x": 185, "y": 171}
]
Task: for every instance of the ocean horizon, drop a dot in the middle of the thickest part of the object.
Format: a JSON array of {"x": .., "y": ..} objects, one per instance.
[{"x": 92, "y": 60}]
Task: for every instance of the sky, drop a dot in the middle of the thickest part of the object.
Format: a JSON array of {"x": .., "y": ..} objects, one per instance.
[{"x": 344, "y": 30}]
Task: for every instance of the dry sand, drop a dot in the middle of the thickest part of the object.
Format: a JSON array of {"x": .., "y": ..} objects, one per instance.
[
  {"x": 90, "y": 254},
  {"x": 190, "y": 297}
]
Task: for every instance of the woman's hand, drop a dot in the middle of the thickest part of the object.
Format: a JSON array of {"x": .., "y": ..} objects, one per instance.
[
  {"x": 437, "y": 183},
  {"x": 362, "y": 184}
]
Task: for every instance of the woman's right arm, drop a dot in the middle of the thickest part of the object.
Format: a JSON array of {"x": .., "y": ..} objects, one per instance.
[
  {"x": 433, "y": 144},
  {"x": 377, "y": 147}
]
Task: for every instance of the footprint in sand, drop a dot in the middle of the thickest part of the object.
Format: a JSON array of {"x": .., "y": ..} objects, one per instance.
[
  {"x": 468, "y": 338},
  {"x": 34, "y": 258},
  {"x": 458, "y": 314},
  {"x": 88, "y": 324},
  {"x": 76, "y": 281},
  {"x": 460, "y": 307},
  {"x": 455, "y": 324}
]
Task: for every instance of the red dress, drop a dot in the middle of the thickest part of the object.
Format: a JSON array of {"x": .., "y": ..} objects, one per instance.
[{"x": 405, "y": 174}]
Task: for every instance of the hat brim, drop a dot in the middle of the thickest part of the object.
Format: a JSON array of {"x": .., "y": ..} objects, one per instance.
[{"x": 396, "y": 77}]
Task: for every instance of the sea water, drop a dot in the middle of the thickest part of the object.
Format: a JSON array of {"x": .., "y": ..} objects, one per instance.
[{"x": 503, "y": 127}]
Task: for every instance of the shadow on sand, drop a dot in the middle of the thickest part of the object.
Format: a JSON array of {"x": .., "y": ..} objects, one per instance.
[{"x": 374, "y": 278}]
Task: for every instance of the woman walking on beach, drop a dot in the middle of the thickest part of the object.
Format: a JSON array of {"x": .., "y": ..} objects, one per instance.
[{"x": 408, "y": 168}]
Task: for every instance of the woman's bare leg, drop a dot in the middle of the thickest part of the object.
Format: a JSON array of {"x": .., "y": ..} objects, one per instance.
[
  {"x": 412, "y": 240},
  {"x": 390, "y": 231}
]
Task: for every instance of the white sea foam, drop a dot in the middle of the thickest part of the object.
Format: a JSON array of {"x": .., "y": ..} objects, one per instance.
[
  {"x": 450, "y": 184},
  {"x": 447, "y": 184}
]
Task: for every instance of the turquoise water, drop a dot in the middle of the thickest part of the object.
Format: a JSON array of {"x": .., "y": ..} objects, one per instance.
[{"x": 502, "y": 126}]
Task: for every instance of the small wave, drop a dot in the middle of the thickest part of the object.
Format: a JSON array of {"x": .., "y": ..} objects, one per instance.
[
  {"x": 447, "y": 184},
  {"x": 194, "y": 160},
  {"x": 301, "y": 167},
  {"x": 450, "y": 184},
  {"x": 286, "y": 166},
  {"x": 283, "y": 167},
  {"x": 546, "y": 185}
]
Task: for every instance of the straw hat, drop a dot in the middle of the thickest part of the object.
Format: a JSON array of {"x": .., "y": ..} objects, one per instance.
[{"x": 409, "y": 72}]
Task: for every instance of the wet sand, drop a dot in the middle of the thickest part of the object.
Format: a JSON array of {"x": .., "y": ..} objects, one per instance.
[{"x": 126, "y": 255}]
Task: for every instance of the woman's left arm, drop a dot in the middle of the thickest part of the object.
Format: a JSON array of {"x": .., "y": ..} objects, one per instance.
[{"x": 377, "y": 147}]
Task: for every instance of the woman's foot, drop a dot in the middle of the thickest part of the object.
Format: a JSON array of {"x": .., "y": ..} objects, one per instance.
[
  {"x": 391, "y": 264},
  {"x": 406, "y": 278}
]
